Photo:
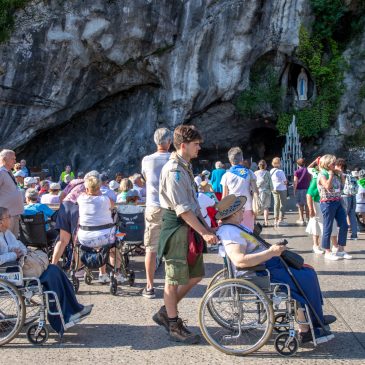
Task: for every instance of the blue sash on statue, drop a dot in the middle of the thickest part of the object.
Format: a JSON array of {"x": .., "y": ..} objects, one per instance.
[{"x": 240, "y": 171}]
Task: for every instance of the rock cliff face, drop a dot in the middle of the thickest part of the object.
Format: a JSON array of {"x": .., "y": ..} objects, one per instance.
[{"x": 87, "y": 82}]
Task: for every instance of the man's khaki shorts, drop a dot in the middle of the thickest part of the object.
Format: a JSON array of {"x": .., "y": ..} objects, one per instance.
[
  {"x": 153, "y": 221},
  {"x": 177, "y": 270}
]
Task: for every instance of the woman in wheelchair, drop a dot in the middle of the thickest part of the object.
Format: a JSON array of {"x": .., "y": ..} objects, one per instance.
[
  {"x": 33, "y": 207},
  {"x": 96, "y": 227},
  {"x": 244, "y": 251},
  {"x": 52, "y": 278}
]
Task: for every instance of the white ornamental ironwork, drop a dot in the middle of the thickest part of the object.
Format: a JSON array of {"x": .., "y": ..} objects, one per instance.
[{"x": 292, "y": 150}]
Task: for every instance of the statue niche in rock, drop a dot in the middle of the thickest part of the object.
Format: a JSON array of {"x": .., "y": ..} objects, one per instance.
[{"x": 302, "y": 85}]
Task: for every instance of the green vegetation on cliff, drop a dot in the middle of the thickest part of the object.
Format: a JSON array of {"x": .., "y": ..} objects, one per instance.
[
  {"x": 7, "y": 9},
  {"x": 326, "y": 65}
]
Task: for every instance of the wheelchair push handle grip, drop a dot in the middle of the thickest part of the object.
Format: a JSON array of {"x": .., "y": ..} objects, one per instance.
[{"x": 282, "y": 243}]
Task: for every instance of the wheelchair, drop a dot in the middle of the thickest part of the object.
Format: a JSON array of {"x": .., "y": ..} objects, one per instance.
[
  {"x": 238, "y": 315},
  {"x": 23, "y": 302},
  {"x": 130, "y": 220},
  {"x": 119, "y": 250},
  {"x": 32, "y": 232}
]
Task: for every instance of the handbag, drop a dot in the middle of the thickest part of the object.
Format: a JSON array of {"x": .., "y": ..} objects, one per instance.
[
  {"x": 34, "y": 263},
  {"x": 293, "y": 259},
  {"x": 195, "y": 246},
  {"x": 257, "y": 205},
  {"x": 94, "y": 259}
]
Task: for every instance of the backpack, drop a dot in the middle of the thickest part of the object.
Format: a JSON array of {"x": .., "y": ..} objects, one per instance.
[{"x": 351, "y": 187}]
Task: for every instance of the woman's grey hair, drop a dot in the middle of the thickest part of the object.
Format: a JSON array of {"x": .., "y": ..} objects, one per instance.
[
  {"x": 31, "y": 194},
  {"x": 162, "y": 137},
  {"x": 219, "y": 165},
  {"x": 3, "y": 211},
  {"x": 235, "y": 155},
  {"x": 93, "y": 173},
  {"x": 4, "y": 155}
]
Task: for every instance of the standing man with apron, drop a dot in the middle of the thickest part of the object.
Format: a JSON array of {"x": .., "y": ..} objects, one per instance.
[{"x": 178, "y": 198}]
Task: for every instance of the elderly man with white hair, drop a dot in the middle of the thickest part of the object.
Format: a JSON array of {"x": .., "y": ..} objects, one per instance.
[
  {"x": 24, "y": 168},
  {"x": 10, "y": 195},
  {"x": 139, "y": 186},
  {"x": 151, "y": 170}
]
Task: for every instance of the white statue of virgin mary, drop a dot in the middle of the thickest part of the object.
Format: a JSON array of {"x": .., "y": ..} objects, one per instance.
[{"x": 302, "y": 85}]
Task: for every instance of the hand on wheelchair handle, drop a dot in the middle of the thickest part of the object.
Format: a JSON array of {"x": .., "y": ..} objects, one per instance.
[{"x": 277, "y": 249}]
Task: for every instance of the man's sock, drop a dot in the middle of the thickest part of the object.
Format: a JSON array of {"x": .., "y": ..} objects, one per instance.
[{"x": 173, "y": 320}]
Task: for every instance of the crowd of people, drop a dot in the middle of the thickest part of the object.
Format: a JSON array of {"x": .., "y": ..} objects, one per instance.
[{"x": 177, "y": 202}]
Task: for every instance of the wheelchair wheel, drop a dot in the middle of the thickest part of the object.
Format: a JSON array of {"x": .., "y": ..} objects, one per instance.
[
  {"x": 113, "y": 286},
  {"x": 131, "y": 277},
  {"x": 37, "y": 338},
  {"x": 242, "y": 318},
  {"x": 218, "y": 276},
  {"x": 88, "y": 279},
  {"x": 12, "y": 312},
  {"x": 286, "y": 345},
  {"x": 281, "y": 319}
]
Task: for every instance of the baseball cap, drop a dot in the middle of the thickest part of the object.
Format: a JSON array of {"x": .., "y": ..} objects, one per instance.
[
  {"x": 114, "y": 185},
  {"x": 19, "y": 173},
  {"x": 55, "y": 186},
  {"x": 29, "y": 180}
]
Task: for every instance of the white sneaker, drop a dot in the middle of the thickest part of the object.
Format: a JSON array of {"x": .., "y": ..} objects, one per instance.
[
  {"x": 301, "y": 223},
  {"x": 103, "y": 279},
  {"x": 342, "y": 254},
  {"x": 121, "y": 278},
  {"x": 332, "y": 256},
  {"x": 318, "y": 250}
]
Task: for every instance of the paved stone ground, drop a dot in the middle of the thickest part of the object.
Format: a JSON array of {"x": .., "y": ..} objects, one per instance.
[{"x": 120, "y": 329}]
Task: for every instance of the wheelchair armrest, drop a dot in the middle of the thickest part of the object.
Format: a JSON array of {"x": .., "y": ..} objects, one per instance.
[
  {"x": 256, "y": 268},
  {"x": 9, "y": 264}
]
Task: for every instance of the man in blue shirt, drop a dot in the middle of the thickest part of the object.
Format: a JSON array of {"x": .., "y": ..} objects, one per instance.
[
  {"x": 217, "y": 177},
  {"x": 33, "y": 207}
]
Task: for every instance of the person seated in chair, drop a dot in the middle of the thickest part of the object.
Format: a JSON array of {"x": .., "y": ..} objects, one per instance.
[
  {"x": 53, "y": 195},
  {"x": 96, "y": 227},
  {"x": 32, "y": 207},
  {"x": 245, "y": 251},
  {"x": 53, "y": 278}
]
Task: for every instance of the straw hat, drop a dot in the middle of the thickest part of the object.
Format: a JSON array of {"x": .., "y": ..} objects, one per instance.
[
  {"x": 230, "y": 205},
  {"x": 206, "y": 187}
]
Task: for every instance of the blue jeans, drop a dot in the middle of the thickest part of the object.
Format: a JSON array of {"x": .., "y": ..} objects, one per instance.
[
  {"x": 331, "y": 211},
  {"x": 350, "y": 208}
]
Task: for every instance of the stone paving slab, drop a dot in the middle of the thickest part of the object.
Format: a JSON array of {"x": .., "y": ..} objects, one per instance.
[{"x": 121, "y": 331}]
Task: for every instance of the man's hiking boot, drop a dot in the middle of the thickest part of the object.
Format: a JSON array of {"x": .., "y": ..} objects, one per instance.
[
  {"x": 161, "y": 318},
  {"x": 179, "y": 333}
]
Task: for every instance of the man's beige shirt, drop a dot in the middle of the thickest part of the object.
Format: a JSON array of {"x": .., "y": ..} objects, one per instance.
[{"x": 177, "y": 188}]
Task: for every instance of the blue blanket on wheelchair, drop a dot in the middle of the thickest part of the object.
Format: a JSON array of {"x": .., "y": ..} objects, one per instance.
[{"x": 54, "y": 279}]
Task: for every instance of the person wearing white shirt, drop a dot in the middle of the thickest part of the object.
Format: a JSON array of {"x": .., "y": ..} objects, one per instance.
[
  {"x": 279, "y": 192},
  {"x": 240, "y": 181},
  {"x": 151, "y": 170}
]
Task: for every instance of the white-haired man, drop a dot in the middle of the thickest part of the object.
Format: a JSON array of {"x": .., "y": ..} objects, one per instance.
[
  {"x": 10, "y": 196},
  {"x": 24, "y": 168},
  {"x": 151, "y": 170},
  {"x": 139, "y": 186}
]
